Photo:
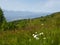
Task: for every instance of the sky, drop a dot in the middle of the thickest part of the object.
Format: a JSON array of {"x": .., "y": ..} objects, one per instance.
[{"x": 31, "y": 5}]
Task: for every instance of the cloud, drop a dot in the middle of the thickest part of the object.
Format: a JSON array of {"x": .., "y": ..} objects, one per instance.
[
  {"x": 51, "y": 6},
  {"x": 31, "y": 5}
]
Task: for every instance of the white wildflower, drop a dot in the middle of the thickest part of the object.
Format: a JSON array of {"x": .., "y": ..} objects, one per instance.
[
  {"x": 33, "y": 34},
  {"x": 41, "y": 33},
  {"x": 37, "y": 38},
  {"x": 44, "y": 38}
]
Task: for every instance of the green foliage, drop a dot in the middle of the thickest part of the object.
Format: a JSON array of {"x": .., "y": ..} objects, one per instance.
[{"x": 2, "y": 21}]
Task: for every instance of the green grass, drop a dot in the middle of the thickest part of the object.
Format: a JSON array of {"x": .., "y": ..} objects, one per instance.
[{"x": 22, "y": 37}]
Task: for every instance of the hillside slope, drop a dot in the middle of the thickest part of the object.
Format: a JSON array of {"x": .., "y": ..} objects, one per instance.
[
  {"x": 47, "y": 22},
  {"x": 38, "y": 31}
]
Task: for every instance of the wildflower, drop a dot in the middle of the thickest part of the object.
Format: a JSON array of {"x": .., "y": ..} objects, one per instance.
[
  {"x": 37, "y": 38},
  {"x": 33, "y": 34},
  {"x": 41, "y": 33},
  {"x": 44, "y": 38}
]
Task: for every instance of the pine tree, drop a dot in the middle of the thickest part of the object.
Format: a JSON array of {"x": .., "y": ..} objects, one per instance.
[{"x": 2, "y": 20}]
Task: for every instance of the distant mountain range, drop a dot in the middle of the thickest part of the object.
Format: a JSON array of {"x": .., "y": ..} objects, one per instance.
[{"x": 17, "y": 15}]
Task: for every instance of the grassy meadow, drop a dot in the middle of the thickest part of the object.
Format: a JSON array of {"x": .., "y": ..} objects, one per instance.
[
  {"x": 38, "y": 31},
  {"x": 25, "y": 37}
]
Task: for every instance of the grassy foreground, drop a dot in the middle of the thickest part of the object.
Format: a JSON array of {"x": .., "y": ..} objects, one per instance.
[{"x": 25, "y": 37}]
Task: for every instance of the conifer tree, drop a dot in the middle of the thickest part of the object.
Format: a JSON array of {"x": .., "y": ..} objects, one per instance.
[{"x": 2, "y": 20}]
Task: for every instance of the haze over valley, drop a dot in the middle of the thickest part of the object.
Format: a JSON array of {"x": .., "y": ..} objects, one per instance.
[{"x": 18, "y": 15}]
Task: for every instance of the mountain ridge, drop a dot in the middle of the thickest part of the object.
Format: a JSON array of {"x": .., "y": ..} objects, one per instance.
[{"x": 17, "y": 15}]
